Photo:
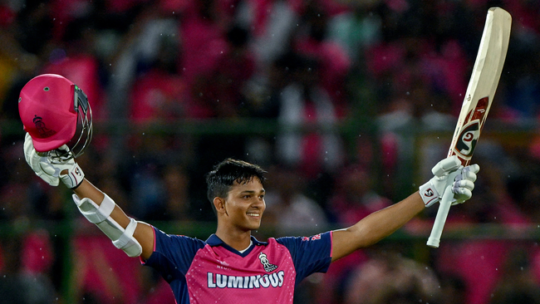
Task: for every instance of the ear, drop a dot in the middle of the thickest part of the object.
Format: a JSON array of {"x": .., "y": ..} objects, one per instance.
[{"x": 219, "y": 203}]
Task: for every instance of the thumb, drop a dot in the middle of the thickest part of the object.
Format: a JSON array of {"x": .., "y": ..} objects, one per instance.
[{"x": 446, "y": 165}]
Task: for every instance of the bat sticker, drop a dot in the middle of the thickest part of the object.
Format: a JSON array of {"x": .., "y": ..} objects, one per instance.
[{"x": 468, "y": 138}]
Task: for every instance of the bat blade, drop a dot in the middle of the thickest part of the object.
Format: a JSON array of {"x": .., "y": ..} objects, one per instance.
[
  {"x": 482, "y": 85},
  {"x": 477, "y": 102}
]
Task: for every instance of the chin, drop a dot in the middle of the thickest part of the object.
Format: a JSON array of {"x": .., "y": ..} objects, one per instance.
[{"x": 254, "y": 227}]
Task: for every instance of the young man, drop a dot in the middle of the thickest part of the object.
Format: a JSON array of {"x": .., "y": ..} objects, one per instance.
[{"x": 231, "y": 266}]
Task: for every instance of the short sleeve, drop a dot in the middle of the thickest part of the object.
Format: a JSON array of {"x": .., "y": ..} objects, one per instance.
[
  {"x": 173, "y": 254},
  {"x": 309, "y": 254}
]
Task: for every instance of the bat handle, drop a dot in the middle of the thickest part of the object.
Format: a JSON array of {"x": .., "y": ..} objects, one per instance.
[{"x": 440, "y": 220}]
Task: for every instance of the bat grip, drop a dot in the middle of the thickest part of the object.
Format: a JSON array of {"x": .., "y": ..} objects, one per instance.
[{"x": 440, "y": 220}]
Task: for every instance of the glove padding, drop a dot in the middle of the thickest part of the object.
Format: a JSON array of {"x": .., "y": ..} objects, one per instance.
[
  {"x": 51, "y": 172},
  {"x": 448, "y": 172}
]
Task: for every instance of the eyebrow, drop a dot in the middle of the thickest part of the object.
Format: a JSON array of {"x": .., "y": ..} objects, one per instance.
[{"x": 251, "y": 191}]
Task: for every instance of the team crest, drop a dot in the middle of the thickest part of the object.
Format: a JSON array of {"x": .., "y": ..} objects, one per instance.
[
  {"x": 43, "y": 131},
  {"x": 266, "y": 264},
  {"x": 467, "y": 139}
]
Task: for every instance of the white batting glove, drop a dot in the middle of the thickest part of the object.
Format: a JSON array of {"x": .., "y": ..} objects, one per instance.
[
  {"x": 51, "y": 172},
  {"x": 34, "y": 161},
  {"x": 448, "y": 172}
]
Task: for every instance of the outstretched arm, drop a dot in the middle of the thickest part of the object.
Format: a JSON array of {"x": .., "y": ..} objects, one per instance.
[
  {"x": 375, "y": 226},
  {"x": 382, "y": 223},
  {"x": 135, "y": 238},
  {"x": 144, "y": 233}
]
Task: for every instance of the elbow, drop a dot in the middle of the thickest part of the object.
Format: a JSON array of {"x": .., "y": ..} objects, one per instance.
[{"x": 362, "y": 236}]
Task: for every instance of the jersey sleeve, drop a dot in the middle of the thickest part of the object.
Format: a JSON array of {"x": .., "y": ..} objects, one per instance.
[
  {"x": 173, "y": 254},
  {"x": 309, "y": 254}
]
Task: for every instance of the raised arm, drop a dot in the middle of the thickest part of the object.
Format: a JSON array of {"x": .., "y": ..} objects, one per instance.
[
  {"x": 133, "y": 237},
  {"x": 382, "y": 223},
  {"x": 375, "y": 226},
  {"x": 143, "y": 233}
]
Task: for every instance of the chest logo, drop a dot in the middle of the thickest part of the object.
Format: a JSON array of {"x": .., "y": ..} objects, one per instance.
[{"x": 266, "y": 264}]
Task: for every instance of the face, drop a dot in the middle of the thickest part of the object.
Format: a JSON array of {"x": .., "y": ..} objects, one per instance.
[{"x": 244, "y": 205}]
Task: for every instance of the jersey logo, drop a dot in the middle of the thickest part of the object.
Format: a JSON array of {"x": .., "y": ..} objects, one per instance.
[
  {"x": 266, "y": 264},
  {"x": 217, "y": 280},
  {"x": 311, "y": 238},
  {"x": 316, "y": 237}
]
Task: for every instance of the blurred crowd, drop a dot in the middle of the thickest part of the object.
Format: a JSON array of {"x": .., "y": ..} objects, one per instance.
[{"x": 307, "y": 67}]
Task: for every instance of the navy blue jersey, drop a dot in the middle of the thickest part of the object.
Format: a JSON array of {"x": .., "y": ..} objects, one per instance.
[{"x": 267, "y": 272}]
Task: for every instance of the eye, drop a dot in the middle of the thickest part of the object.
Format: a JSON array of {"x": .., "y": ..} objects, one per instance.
[{"x": 246, "y": 196}]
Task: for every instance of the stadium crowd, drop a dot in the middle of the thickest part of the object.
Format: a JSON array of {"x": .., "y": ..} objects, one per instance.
[{"x": 308, "y": 67}]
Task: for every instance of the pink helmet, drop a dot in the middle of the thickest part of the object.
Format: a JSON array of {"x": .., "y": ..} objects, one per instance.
[{"x": 52, "y": 108}]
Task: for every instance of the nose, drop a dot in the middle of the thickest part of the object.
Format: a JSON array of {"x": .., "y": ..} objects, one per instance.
[{"x": 258, "y": 202}]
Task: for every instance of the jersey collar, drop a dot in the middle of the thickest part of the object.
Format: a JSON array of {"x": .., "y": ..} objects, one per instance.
[{"x": 214, "y": 240}]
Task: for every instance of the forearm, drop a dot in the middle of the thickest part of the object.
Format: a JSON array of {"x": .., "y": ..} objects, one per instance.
[
  {"x": 382, "y": 223},
  {"x": 144, "y": 233},
  {"x": 375, "y": 226},
  {"x": 87, "y": 190}
]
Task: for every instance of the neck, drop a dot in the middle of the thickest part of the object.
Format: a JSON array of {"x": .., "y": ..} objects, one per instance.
[{"x": 237, "y": 239}]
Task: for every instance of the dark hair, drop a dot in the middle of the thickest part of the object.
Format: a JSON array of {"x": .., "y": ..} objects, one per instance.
[{"x": 220, "y": 180}]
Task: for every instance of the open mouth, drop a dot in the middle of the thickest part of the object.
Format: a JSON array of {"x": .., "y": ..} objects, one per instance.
[{"x": 253, "y": 214}]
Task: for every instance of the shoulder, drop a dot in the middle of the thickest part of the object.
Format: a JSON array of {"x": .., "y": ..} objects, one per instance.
[
  {"x": 174, "y": 251},
  {"x": 304, "y": 241},
  {"x": 163, "y": 238}
]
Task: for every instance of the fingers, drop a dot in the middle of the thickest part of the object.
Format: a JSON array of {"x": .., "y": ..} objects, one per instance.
[
  {"x": 39, "y": 164},
  {"x": 462, "y": 191},
  {"x": 30, "y": 154},
  {"x": 467, "y": 175},
  {"x": 28, "y": 147},
  {"x": 27, "y": 137},
  {"x": 462, "y": 184},
  {"x": 472, "y": 168},
  {"x": 64, "y": 148},
  {"x": 50, "y": 169},
  {"x": 461, "y": 195},
  {"x": 53, "y": 181}
]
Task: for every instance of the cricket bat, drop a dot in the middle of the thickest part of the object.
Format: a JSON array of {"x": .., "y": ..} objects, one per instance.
[{"x": 477, "y": 102}]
